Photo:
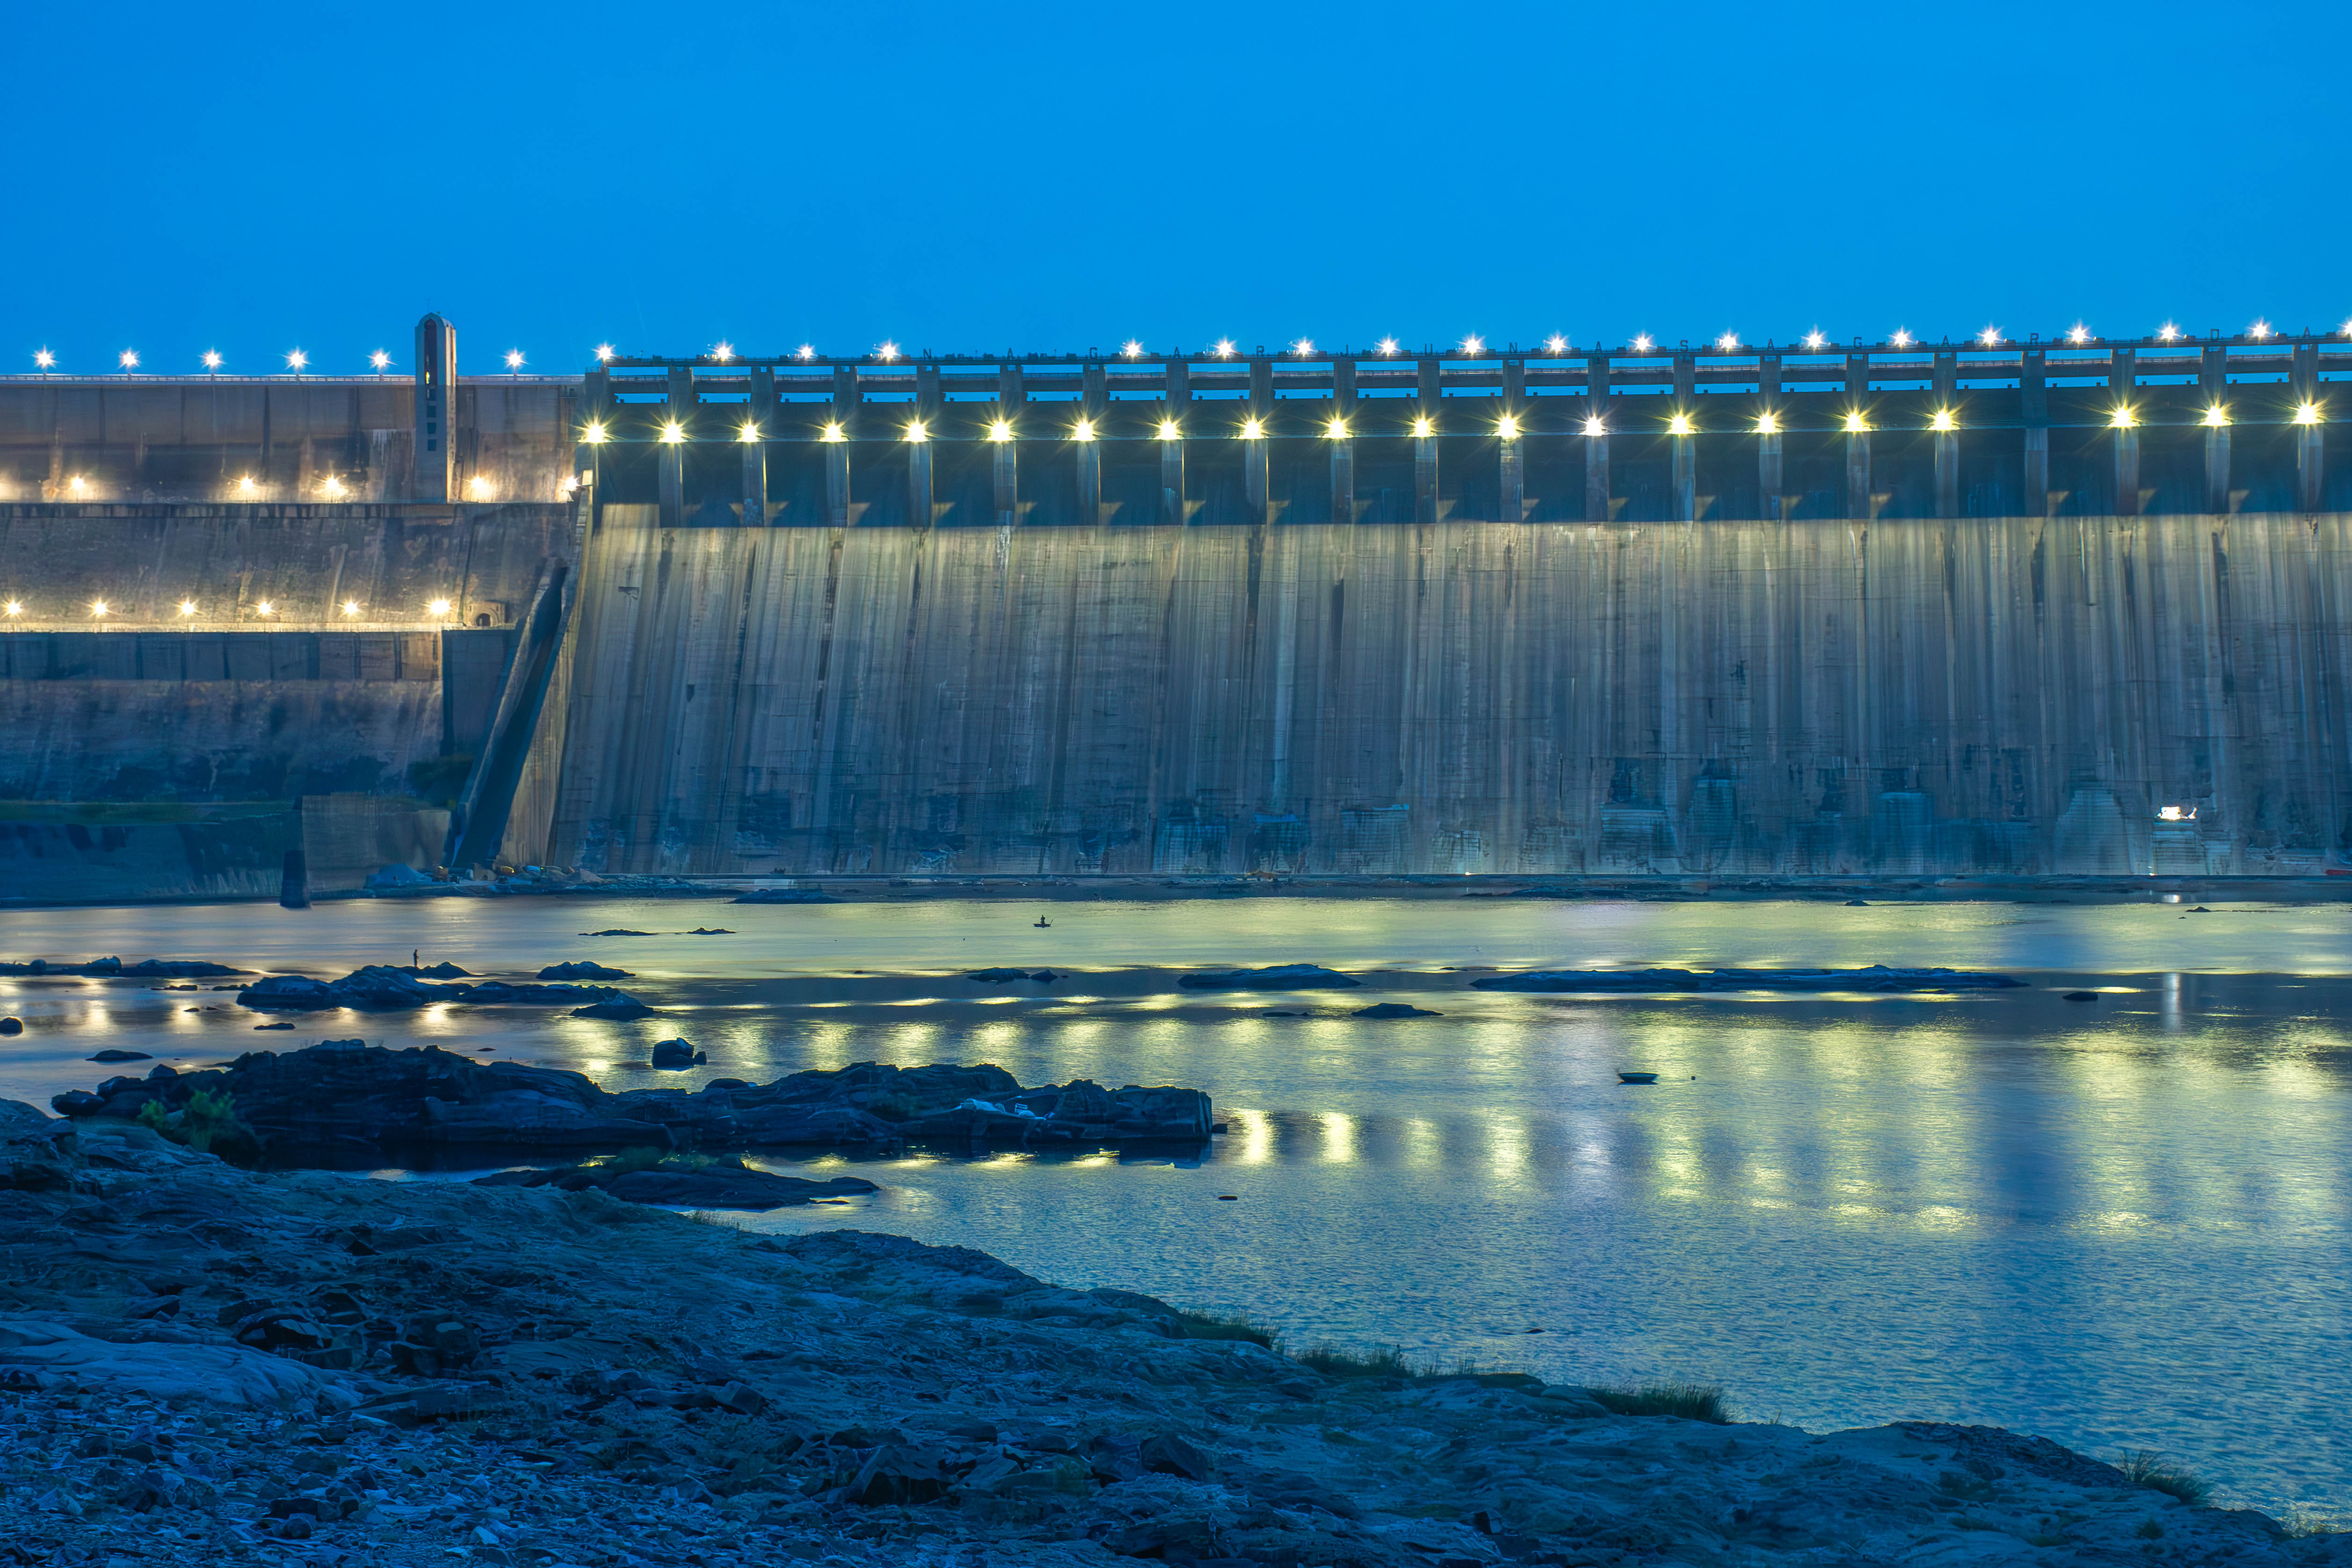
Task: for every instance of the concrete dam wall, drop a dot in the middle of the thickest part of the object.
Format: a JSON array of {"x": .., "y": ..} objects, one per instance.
[{"x": 2113, "y": 696}]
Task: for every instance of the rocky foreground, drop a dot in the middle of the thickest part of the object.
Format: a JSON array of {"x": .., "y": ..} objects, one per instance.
[{"x": 206, "y": 1365}]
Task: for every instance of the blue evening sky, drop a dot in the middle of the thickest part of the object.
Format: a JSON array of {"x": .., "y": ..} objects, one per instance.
[{"x": 977, "y": 176}]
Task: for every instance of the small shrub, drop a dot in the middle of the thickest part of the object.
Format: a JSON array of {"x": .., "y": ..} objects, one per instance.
[
  {"x": 1219, "y": 1325},
  {"x": 210, "y": 1126},
  {"x": 2147, "y": 1468},
  {"x": 643, "y": 1158},
  {"x": 1690, "y": 1401},
  {"x": 1380, "y": 1361},
  {"x": 152, "y": 1116}
]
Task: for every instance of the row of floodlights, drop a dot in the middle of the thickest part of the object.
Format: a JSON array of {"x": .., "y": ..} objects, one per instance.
[
  {"x": 2123, "y": 417},
  {"x": 296, "y": 361},
  {"x": 1815, "y": 340},
  {"x": 100, "y": 609},
  {"x": 478, "y": 488}
]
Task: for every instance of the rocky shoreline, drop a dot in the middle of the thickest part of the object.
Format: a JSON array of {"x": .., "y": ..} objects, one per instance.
[{"x": 220, "y": 1365}]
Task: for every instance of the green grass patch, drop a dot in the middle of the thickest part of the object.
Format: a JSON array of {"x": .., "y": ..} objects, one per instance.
[
  {"x": 2147, "y": 1468},
  {"x": 1690, "y": 1401}
]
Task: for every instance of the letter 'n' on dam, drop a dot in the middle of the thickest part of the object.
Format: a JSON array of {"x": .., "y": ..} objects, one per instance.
[{"x": 2049, "y": 608}]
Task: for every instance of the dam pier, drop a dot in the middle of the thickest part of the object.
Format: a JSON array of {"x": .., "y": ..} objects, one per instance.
[{"x": 2042, "y": 609}]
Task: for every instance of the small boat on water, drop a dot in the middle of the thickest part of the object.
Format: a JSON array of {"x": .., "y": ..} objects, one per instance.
[{"x": 1637, "y": 1078}]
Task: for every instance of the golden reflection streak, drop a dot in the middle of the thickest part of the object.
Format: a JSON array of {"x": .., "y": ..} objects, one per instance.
[
  {"x": 1424, "y": 1147},
  {"x": 1338, "y": 1137},
  {"x": 1256, "y": 1129}
]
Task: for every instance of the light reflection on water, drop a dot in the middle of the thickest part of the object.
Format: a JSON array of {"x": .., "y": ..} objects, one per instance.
[{"x": 2118, "y": 1223}]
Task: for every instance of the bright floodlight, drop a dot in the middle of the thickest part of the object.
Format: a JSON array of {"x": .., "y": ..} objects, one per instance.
[
  {"x": 187, "y": 607},
  {"x": 16, "y": 608},
  {"x": 722, "y": 350},
  {"x": 1767, "y": 423},
  {"x": 480, "y": 488},
  {"x": 1422, "y": 428},
  {"x": 1680, "y": 425},
  {"x": 1474, "y": 344},
  {"x": 887, "y": 352},
  {"x": 1944, "y": 421},
  {"x": 1728, "y": 342},
  {"x": 1303, "y": 347},
  {"x": 749, "y": 434},
  {"x": 2123, "y": 418},
  {"x": 1508, "y": 428},
  {"x": 245, "y": 485},
  {"x": 1902, "y": 338},
  {"x": 212, "y": 359},
  {"x": 1642, "y": 343},
  {"x": 1595, "y": 426},
  {"x": 916, "y": 433},
  {"x": 296, "y": 361},
  {"x": 98, "y": 607},
  {"x": 130, "y": 358},
  {"x": 1085, "y": 432},
  {"x": 1001, "y": 430},
  {"x": 2078, "y": 333},
  {"x": 2170, "y": 332},
  {"x": 350, "y": 607},
  {"x": 1225, "y": 348},
  {"x": 1556, "y": 344},
  {"x": 808, "y": 350},
  {"x": 1855, "y": 423},
  {"x": 594, "y": 435},
  {"x": 1388, "y": 345},
  {"x": 1132, "y": 348},
  {"x": 266, "y": 607},
  {"x": 1252, "y": 429},
  {"x": 2259, "y": 329},
  {"x": 76, "y": 484},
  {"x": 673, "y": 433},
  {"x": 1988, "y": 337},
  {"x": 1337, "y": 430},
  {"x": 1815, "y": 339},
  {"x": 380, "y": 360},
  {"x": 2217, "y": 416},
  {"x": 334, "y": 486},
  {"x": 834, "y": 432},
  {"x": 438, "y": 607},
  {"x": 1169, "y": 431},
  {"x": 2307, "y": 413},
  {"x": 603, "y": 352},
  {"x": 44, "y": 359},
  {"x": 514, "y": 359}
]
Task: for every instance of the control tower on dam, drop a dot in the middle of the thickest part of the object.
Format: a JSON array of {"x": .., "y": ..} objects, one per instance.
[{"x": 2065, "y": 608}]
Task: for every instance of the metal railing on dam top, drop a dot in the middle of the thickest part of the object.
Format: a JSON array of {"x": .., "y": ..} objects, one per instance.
[{"x": 1645, "y": 432}]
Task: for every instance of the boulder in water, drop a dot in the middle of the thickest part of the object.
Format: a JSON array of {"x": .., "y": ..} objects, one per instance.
[
  {"x": 1393, "y": 1010},
  {"x": 583, "y": 969},
  {"x": 673, "y": 1053},
  {"x": 618, "y": 1008}
]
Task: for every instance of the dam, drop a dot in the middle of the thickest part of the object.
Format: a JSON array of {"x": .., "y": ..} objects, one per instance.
[{"x": 2039, "y": 609}]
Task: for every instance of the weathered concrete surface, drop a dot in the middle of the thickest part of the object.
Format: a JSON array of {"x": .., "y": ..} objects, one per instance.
[
  {"x": 145, "y": 439},
  {"x": 2017, "y": 694}
]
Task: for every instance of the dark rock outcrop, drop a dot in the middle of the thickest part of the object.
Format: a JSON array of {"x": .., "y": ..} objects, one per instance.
[
  {"x": 379, "y": 988},
  {"x": 1876, "y": 977},
  {"x": 1280, "y": 978},
  {"x": 619, "y": 1008},
  {"x": 1393, "y": 1010},
  {"x": 115, "y": 969},
  {"x": 715, "y": 1185},
  {"x": 344, "y": 1099},
  {"x": 583, "y": 969},
  {"x": 669, "y": 1053}
]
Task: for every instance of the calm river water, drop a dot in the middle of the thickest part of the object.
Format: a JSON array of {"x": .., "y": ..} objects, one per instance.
[{"x": 2120, "y": 1224}]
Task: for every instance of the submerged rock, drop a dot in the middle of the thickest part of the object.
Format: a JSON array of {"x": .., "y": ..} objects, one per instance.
[
  {"x": 1876, "y": 977},
  {"x": 111, "y": 1055},
  {"x": 1393, "y": 1010},
  {"x": 620, "y": 1009},
  {"x": 1280, "y": 978},
  {"x": 686, "y": 1183}
]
